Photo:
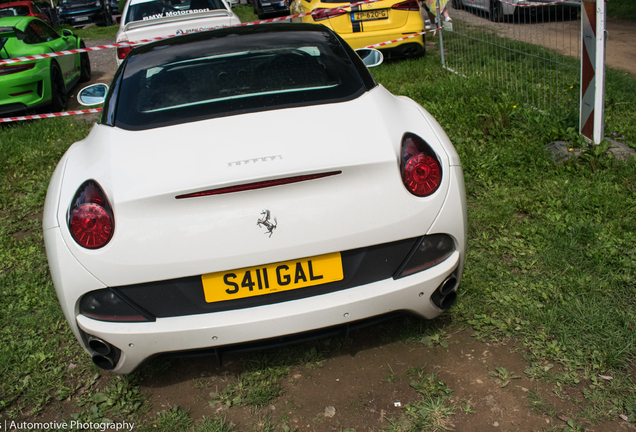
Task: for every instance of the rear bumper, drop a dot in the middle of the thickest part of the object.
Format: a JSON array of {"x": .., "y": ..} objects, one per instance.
[
  {"x": 140, "y": 341},
  {"x": 364, "y": 39},
  {"x": 25, "y": 90},
  {"x": 272, "y": 8},
  {"x": 83, "y": 18}
]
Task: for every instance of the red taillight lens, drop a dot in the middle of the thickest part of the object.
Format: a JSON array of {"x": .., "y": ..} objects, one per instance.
[
  {"x": 421, "y": 170},
  {"x": 323, "y": 14},
  {"x": 122, "y": 52},
  {"x": 11, "y": 69},
  {"x": 91, "y": 221},
  {"x": 409, "y": 5}
]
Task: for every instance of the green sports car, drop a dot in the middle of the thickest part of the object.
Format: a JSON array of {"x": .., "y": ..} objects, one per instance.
[{"x": 37, "y": 83}]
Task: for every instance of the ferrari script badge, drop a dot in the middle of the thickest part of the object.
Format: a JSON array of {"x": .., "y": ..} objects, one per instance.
[{"x": 265, "y": 222}]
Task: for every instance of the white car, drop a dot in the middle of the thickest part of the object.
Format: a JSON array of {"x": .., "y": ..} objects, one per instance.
[
  {"x": 497, "y": 10},
  {"x": 147, "y": 19},
  {"x": 245, "y": 184}
]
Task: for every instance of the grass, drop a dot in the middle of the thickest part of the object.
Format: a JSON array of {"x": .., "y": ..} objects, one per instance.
[
  {"x": 432, "y": 412},
  {"x": 551, "y": 262},
  {"x": 245, "y": 13},
  {"x": 622, "y": 9},
  {"x": 92, "y": 32}
]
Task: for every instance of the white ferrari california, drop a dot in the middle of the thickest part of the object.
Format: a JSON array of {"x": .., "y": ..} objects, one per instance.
[{"x": 248, "y": 185}]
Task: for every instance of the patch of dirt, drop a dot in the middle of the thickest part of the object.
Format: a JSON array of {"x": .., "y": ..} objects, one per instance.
[{"x": 367, "y": 383}]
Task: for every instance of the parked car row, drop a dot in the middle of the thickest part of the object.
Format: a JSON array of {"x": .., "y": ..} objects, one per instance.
[
  {"x": 41, "y": 10},
  {"x": 75, "y": 13}
]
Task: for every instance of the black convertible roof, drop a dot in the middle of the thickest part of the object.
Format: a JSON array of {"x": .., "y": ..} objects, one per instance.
[{"x": 232, "y": 71}]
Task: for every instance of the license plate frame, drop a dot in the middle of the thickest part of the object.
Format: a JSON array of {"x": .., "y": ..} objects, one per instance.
[
  {"x": 270, "y": 278},
  {"x": 80, "y": 19},
  {"x": 371, "y": 15}
]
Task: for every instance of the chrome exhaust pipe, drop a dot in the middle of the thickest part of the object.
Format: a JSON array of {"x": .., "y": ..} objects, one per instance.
[
  {"x": 448, "y": 285},
  {"x": 99, "y": 346},
  {"x": 445, "y": 295},
  {"x": 103, "y": 362},
  {"x": 105, "y": 355}
]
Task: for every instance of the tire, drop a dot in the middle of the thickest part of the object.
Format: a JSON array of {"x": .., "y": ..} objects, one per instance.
[
  {"x": 496, "y": 11},
  {"x": 85, "y": 65},
  {"x": 58, "y": 89}
]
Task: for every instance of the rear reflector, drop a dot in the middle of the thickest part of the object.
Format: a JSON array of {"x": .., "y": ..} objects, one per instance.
[
  {"x": 258, "y": 185},
  {"x": 21, "y": 93}
]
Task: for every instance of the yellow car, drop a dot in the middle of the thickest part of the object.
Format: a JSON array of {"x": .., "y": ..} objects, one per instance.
[{"x": 369, "y": 23}]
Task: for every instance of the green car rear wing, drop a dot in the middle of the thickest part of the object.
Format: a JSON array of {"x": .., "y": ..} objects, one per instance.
[
  {"x": 8, "y": 32},
  {"x": 5, "y": 34}
]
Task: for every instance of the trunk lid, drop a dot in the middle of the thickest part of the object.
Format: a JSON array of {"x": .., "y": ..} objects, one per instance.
[{"x": 158, "y": 237}]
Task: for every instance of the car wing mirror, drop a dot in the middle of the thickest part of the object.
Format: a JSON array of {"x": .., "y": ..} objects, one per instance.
[
  {"x": 371, "y": 57},
  {"x": 92, "y": 95},
  {"x": 67, "y": 33}
]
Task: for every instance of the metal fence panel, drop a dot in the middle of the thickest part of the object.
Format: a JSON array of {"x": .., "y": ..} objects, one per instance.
[{"x": 527, "y": 48}]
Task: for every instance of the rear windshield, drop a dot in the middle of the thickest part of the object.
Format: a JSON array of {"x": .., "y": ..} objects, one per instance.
[
  {"x": 154, "y": 9},
  {"x": 172, "y": 84}
]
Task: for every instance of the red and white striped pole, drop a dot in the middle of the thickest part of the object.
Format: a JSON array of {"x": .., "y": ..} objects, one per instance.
[{"x": 591, "y": 119}]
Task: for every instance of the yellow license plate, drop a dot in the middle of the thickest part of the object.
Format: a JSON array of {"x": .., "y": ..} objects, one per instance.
[
  {"x": 270, "y": 278},
  {"x": 371, "y": 15}
]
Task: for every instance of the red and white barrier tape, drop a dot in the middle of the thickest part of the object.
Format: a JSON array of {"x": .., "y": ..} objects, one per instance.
[
  {"x": 381, "y": 44},
  {"x": 145, "y": 41},
  {"x": 50, "y": 115}
]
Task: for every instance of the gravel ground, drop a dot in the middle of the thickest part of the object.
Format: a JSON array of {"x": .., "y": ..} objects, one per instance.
[{"x": 103, "y": 67}]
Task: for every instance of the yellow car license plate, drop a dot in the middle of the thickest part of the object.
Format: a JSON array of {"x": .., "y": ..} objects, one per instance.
[
  {"x": 371, "y": 15},
  {"x": 270, "y": 278}
]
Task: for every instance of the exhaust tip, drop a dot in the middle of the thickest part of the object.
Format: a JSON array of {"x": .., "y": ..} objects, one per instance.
[
  {"x": 104, "y": 355},
  {"x": 103, "y": 362},
  {"x": 99, "y": 346},
  {"x": 445, "y": 295},
  {"x": 448, "y": 285},
  {"x": 446, "y": 302}
]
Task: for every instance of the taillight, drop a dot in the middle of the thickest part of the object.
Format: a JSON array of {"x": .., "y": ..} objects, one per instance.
[
  {"x": 323, "y": 14},
  {"x": 122, "y": 52},
  {"x": 90, "y": 218},
  {"x": 421, "y": 170},
  {"x": 408, "y": 5},
  {"x": 11, "y": 69}
]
